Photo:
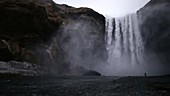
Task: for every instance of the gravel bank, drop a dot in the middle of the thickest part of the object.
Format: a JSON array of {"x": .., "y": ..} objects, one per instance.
[{"x": 86, "y": 86}]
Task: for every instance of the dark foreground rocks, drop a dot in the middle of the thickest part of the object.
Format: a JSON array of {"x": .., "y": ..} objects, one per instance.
[
  {"x": 19, "y": 69},
  {"x": 86, "y": 86}
]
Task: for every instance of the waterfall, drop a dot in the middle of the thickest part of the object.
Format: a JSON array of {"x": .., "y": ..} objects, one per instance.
[
  {"x": 77, "y": 47},
  {"x": 124, "y": 41}
]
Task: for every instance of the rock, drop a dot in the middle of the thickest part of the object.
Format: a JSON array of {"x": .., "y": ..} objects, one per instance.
[
  {"x": 154, "y": 25},
  {"x": 5, "y": 54},
  {"x": 28, "y": 28},
  {"x": 20, "y": 68},
  {"x": 92, "y": 73},
  {"x": 83, "y": 22}
]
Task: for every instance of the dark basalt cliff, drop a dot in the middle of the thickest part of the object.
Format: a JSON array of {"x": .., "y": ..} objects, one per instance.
[
  {"x": 155, "y": 28},
  {"x": 27, "y": 27},
  {"x": 23, "y": 24}
]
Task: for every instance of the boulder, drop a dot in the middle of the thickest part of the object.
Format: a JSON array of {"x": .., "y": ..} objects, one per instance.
[{"x": 92, "y": 73}]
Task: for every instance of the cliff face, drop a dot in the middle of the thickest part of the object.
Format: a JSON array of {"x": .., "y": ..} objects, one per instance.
[
  {"x": 154, "y": 25},
  {"x": 27, "y": 28},
  {"x": 23, "y": 25},
  {"x": 80, "y": 37}
]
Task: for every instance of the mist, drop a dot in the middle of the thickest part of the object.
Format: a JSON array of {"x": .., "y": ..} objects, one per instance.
[
  {"x": 126, "y": 45},
  {"x": 78, "y": 52},
  {"x": 78, "y": 38},
  {"x": 127, "y": 54},
  {"x": 77, "y": 41}
]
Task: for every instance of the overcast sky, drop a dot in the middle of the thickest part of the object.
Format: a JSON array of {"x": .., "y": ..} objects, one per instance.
[{"x": 113, "y": 8}]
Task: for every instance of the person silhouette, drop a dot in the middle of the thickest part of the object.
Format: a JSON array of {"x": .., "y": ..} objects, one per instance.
[{"x": 145, "y": 74}]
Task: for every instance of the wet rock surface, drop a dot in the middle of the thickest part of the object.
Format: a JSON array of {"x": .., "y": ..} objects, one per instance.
[
  {"x": 28, "y": 27},
  {"x": 84, "y": 86},
  {"x": 19, "y": 68},
  {"x": 154, "y": 25}
]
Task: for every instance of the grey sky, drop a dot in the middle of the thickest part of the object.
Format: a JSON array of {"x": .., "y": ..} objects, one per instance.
[{"x": 113, "y": 8}]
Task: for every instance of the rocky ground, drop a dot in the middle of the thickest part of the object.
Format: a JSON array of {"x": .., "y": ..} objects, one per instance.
[
  {"x": 19, "y": 68},
  {"x": 86, "y": 86}
]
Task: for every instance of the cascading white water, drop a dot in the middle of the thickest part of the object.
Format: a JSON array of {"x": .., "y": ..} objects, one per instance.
[
  {"x": 124, "y": 41},
  {"x": 79, "y": 40},
  {"x": 109, "y": 29}
]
